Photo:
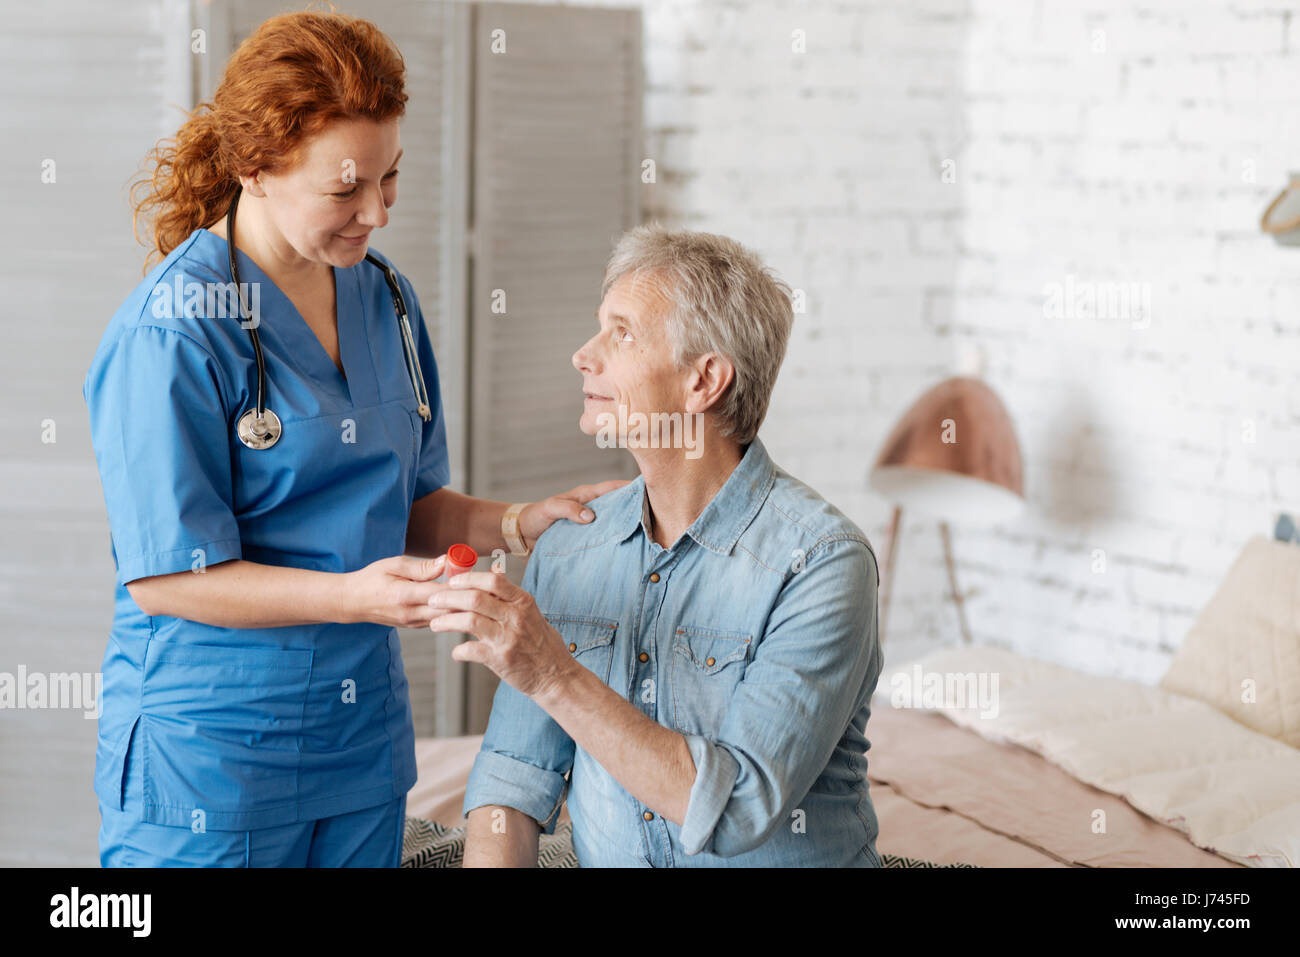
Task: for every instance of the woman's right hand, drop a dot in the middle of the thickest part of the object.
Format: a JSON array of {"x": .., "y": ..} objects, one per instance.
[{"x": 394, "y": 591}]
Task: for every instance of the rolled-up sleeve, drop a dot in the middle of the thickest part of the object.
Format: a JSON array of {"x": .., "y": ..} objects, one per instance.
[
  {"x": 716, "y": 770},
  {"x": 793, "y": 705},
  {"x": 525, "y": 754},
  {"x": 523, "y": 761}
]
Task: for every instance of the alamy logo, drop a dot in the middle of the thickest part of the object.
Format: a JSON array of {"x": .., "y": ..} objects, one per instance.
[
  {"x": 934, "y": 690},
  {"x": 102, "y": 910},
  {"x": 209, "y": 300},
  {"x": 1074, "y": 299},
  {"x": 59, "y": 690},
  {"x": 656, "y": 430}
]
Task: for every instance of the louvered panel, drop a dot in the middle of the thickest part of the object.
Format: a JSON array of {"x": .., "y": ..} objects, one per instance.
[{"x": 556, "y": 159}]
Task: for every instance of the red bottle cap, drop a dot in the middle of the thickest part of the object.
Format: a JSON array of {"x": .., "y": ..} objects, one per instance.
[{"x": 461, "y": 558}]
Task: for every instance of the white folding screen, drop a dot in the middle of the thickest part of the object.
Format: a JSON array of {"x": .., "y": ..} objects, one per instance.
[
  {"x": 556, "y": 174},
  {"x": 557, "y": 153}
]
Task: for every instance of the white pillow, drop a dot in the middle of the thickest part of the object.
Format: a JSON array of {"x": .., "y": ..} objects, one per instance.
[{"x": 1246, "y": 642}]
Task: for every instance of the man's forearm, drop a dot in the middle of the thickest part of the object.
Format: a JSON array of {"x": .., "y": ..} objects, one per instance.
[
  {"x": 512, "y": 842},
  {"x": 444, "y": 518},
  {"x": 652, "y": 762}
]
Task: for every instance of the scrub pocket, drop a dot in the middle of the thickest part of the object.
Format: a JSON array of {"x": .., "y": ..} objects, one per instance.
[
  {"x": 589, "y": 640},
  {"x": 110, "y": 767},
  {"x": 379, "y": 442},
  {"x": 707, "y": 665},
  {"x": 221, "y": 732}
]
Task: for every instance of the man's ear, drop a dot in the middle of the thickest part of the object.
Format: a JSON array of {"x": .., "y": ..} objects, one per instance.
[{"x": 711, "y": 375}]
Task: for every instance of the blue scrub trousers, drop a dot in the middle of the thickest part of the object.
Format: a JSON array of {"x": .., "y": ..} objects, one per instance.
[{"x": 370, "y": 837}]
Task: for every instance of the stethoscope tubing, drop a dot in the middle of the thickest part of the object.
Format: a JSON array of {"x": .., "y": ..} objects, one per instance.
[{"x": 259, "y": 427}]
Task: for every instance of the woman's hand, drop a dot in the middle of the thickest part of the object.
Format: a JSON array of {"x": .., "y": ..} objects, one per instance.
[
  {"x": 394, "y": 591},
  {"x": 539, "y": 516}
]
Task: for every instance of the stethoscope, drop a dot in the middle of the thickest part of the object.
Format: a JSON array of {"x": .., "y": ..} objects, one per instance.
[{"x": 260, "y": 428}]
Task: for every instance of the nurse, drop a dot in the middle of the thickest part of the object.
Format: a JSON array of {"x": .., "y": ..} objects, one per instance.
[{"x": 256, "y": 710}]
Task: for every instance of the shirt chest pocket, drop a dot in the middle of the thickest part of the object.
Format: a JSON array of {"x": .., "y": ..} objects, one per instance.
[
  {"x": 589, "y": 640},
  {"x": 706, "y": 666}
]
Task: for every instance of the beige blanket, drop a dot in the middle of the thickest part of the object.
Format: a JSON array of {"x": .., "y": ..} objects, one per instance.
[
  {"x": 946, "y": 795},
  {"x": 1231, "y": 790}
]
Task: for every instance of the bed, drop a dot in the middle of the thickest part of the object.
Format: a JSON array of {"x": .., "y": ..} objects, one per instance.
[{"x": 1070, "y": 770}]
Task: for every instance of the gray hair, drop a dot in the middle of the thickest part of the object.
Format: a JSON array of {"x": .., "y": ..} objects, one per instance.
[{"x": 725, "y": 301}]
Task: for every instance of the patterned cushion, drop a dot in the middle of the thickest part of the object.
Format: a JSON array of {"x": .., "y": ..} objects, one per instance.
[
  {"x": 893, "y": 860},
  {"x": 429, "y": 844}
]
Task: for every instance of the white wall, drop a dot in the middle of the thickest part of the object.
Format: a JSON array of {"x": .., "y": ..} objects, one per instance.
[
  {"x": 1133, "y": 147},
  {"x": 1120, "y": 157},
  {"x": 67, "y": 260}
]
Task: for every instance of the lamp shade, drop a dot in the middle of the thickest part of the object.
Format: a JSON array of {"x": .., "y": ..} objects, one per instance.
[
  {"x": 1282, "y": 217},
  {"x": 953, "y": 456}
]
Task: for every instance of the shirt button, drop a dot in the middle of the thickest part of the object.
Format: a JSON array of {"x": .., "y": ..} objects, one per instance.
[
  {"x": 709, "y": 661},
  {"x": 654, "y": 577},
  {"x": 643, "y": 657},
  {"x": 572, "y": 646},
  {"x": 648, "y": 816}
]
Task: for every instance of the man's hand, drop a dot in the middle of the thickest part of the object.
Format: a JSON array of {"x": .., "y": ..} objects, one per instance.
[
  {"x": 514, "y": 639},
  {"x": 652, "y": 762}
]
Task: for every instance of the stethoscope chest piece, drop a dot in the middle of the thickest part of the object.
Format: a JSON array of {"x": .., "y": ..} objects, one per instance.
[{"x": 262, "y": 438}]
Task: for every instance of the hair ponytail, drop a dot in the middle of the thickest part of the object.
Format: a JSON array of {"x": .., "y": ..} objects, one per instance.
[{"x": 189, "y": 187}]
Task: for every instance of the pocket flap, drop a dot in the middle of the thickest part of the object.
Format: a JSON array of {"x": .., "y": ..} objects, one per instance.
[
  {"x": 582, "y": 633},
  {"x": 110, "y": 768},
  {"x": 710, "y": 649}
]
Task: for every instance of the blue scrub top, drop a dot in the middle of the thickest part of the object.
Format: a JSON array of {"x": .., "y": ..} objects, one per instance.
[{"x": 256, "y": 727}]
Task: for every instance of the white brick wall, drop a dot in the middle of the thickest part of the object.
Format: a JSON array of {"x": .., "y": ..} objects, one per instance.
[
  {"x": 1101, "y": 140},
  {"x": 1142, "y": 148}
]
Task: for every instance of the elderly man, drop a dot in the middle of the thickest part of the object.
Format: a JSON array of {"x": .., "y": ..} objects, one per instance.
[{"x": 693, "y": 667}]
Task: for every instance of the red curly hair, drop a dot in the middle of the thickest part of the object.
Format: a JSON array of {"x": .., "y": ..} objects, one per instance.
[{"x": 292, "y": 77}]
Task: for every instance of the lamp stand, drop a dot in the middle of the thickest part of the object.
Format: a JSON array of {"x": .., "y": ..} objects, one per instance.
[
  {"x": 952, "y": 581},
  {"x": 891, "y": 544}
]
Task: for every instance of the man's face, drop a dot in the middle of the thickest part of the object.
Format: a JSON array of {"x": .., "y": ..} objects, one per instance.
[
  {"x": 629, "y": 361},
  {"x": 341, "y": 189}
]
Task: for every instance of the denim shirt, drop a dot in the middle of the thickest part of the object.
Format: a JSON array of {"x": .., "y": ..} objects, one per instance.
[{"x": 754, "y": 636}]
